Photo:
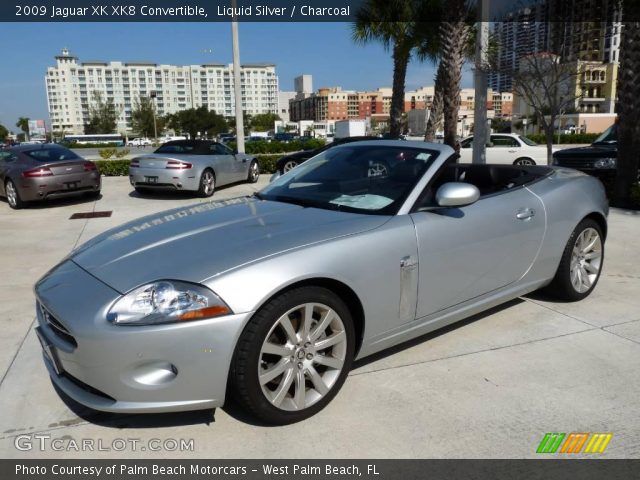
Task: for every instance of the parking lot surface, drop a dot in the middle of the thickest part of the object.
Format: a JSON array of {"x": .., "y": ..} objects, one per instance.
[{"x": 491, "y": 386}]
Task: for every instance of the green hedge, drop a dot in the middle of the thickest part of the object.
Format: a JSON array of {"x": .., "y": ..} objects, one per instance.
[
  {"x": 119, "y": 168},
  {"x": 576, "y": 138},
  {"x": 264, "y": 147},
  {"x": 90, "y": 145}
]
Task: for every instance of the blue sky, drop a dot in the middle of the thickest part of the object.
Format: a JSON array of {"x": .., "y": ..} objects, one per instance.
[{"x": 324, "y": 50}]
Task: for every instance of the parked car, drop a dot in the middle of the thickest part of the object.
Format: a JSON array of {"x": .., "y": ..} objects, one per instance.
[
  {"x": 286, "y": 163},
  {"x": 507, "y": 148},
  {"x": 192, "y": 165},
  {"x": 284, "y": 137},
  {"x": 39, "y": 172},
  {"x": 139, "y": 142},
  {"x": 273, "y": 296},
  {"x": 597, "y": 159}
]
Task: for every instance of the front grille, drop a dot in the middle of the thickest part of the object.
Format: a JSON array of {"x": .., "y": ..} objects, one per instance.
[
  {"x": 575, "y": 162},
  {"x": 56, "y": 327}
]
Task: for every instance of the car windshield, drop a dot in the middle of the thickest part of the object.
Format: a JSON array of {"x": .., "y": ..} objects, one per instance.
[
  {"x": 609, "y": 136},
  {"x": 354, "y": 178},
  {"x": 527, "y": 141},
  {"x": 51, "y": 154}
]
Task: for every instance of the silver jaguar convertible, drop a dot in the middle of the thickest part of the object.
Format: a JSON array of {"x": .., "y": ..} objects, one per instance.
[{"x": 268, "y": 299}]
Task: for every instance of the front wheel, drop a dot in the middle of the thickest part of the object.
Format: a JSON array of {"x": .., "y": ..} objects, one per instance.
[
  {"x": 254, "y": 172},
  {"x": 524, "y": 161},
  {"x": 293, "y": 356},
  {"x": 289, "y": 165},
  {"x": 13, "y": 195},
  {"x": 207, "y": 184},
  {"x": 581, "y": 263}
]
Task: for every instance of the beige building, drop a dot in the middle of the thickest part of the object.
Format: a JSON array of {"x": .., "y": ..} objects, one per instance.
[{"x": 70, "y": 86}]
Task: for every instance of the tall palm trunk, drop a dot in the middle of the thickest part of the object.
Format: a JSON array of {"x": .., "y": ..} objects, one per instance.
[
  {"x": 437, "y": 104},
  {"x": 400, "y": 61},
  {"x": 628, "y": 105},
  {"x": 453, "y": 35}
]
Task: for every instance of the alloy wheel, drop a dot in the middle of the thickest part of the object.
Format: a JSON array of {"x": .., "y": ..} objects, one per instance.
[
  {"x": 524, "y": 161},
  {"x": 302, "y": 356},
  {"x": 289, "y": 165},
  {"x": 255, "y": 173},
  {"x": 208, "y": 182},
  {"x": 12, "y": 194},
  {"x": 586, "y": 260}
]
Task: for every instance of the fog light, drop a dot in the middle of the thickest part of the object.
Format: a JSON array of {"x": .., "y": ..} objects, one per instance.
[{"x": 155, "y": 373}]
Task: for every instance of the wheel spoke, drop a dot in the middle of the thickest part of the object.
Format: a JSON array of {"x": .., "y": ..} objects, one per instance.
[
  {"x": 273, "y": 349},
  {"x": 300, "y": 390},
  {"x": 325, "y": 320},
  {"x": 281, "y": 392},
  {"x": 591, "y": 243},
  {"x": 306, "y": 321},
  {"x": 285, "y": 322},
  {"x": 590, "y": 268},
  {"x": 593, "y": 255},
  {"x": 585, "y": 278},
  {"x": 318, "y": 382},
  {"x": 329, "y": 361},
  {"x": 330, "y": 341},
  {"x": 267, "y": 375}
]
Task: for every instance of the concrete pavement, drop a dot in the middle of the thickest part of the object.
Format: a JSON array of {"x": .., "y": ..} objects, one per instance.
[{"x": 491, "y": 386}]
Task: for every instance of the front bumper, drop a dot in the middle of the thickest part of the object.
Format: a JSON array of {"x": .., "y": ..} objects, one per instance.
[
  {"x": 164, "y": 179},
  {"x": 128, "y": 369},
  {"x": 58, "y": 186}
]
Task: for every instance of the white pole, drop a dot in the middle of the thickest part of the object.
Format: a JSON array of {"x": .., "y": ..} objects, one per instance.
[
  {"x": 480, "y": 130},
  {"x": 237, "y": 81}
]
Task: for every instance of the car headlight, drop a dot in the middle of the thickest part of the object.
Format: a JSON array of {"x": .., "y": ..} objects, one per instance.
[
  {"x": 554, "y": 161},
  {"x": 605, "y": 163},
  {"x": 167, "y": 301}
]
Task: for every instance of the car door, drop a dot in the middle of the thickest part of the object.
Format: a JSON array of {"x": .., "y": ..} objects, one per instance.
[
  {"x": 238, "y": 164},
  {"x": 221, "y": 163},
  {"x": 7, "y": 159},
  {"x": 467, "y": 252},
  {"x": 503, "y": 150}
]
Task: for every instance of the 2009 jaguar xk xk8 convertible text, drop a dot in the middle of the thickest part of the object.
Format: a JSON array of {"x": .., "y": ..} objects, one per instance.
[{"x": 273, "y": 296}]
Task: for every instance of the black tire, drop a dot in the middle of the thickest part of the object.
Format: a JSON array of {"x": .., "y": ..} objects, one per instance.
[
  {"x": 14, "y": 201},
  {"x": 254, "y": 172},
  {"x": 524, "y": 161},
  {"x": 243, "y": 375},
  {"x": 561, "y": 286},
  {"x": 206, "y": 177}
]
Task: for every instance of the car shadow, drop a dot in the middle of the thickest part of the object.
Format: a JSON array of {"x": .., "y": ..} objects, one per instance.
[
  {"x": 57, "y": 202},
  {"x": 163, "y": 420},
  {"x": 161, "y": 194}
]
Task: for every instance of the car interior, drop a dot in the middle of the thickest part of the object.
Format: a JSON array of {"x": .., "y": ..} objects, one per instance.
[{"x": 489, "y": 179}]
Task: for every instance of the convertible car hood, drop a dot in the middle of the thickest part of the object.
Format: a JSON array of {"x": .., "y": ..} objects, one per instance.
[
  {"x": 592, "y": 151},
  {"x": 203, "y": 240}
]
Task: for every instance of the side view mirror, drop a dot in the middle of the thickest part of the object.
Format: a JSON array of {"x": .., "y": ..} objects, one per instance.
[{"x": 457, "y": 194}]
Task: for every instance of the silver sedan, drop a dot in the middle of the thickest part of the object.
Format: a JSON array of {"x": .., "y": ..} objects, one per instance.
[
  {"x": 270, "y": 298},
  {"x": 192, "y": 165}
]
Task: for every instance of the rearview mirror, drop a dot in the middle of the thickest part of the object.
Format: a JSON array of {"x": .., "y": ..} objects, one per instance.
[{"x": 457, "y": 194}]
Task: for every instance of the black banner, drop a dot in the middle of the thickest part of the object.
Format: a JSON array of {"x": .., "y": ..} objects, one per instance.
[{"x": 322, "y": 469}]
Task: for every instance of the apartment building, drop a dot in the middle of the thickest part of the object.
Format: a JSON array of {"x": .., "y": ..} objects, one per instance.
[{"x": 70, "y": 86}]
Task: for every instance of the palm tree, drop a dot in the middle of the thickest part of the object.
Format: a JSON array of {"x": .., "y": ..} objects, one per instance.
[
  {"x": 23, "y": 124},
  {"x": 454, "y": 43},
  {"x": 628, "y": 104},
  {"x": 378, "y": 20}
]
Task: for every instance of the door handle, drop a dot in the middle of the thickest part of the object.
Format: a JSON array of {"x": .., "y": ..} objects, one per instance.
[{"x": 525, "y": 213}]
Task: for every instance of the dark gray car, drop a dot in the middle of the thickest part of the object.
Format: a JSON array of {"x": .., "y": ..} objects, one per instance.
[{"x": 38, "y": 172}]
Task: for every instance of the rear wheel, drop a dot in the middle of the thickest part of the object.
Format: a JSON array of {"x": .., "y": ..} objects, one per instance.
[
  {"x": 581, "y": 263},
  {"x": 288, "y": 165},
  {"x": 13, "y": 195},
  {"x": 293, "y": 356},
  {"x": 254, "y": 172},
  {"x": 524, "y": 161},
  {"x": 207, "y": 183}
]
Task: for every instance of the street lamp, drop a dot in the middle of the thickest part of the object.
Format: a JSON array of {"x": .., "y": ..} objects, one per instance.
[{"x": 152, "y": 95}]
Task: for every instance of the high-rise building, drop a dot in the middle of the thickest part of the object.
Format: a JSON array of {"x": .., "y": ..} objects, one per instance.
[
  {"x": 586, "y": 30},
  {"x": 71, "y": 86},
  {"x": 303, "y": 84}
]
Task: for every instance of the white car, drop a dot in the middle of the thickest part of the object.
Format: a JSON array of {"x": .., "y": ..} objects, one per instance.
[
  {"x": 139, "y": 142},
  {"x": 509, "y": 149}
]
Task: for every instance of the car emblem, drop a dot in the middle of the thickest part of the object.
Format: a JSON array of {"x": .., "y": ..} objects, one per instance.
[{"x": 69, "y": 169}]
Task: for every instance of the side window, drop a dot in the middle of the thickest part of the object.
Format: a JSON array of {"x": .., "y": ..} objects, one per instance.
[
  {"x": 8, "y": 157},
  {"x": 466, "y": 143},
  {"x": 218, "y": 149},
  {"x": 503, "y": 141}
]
